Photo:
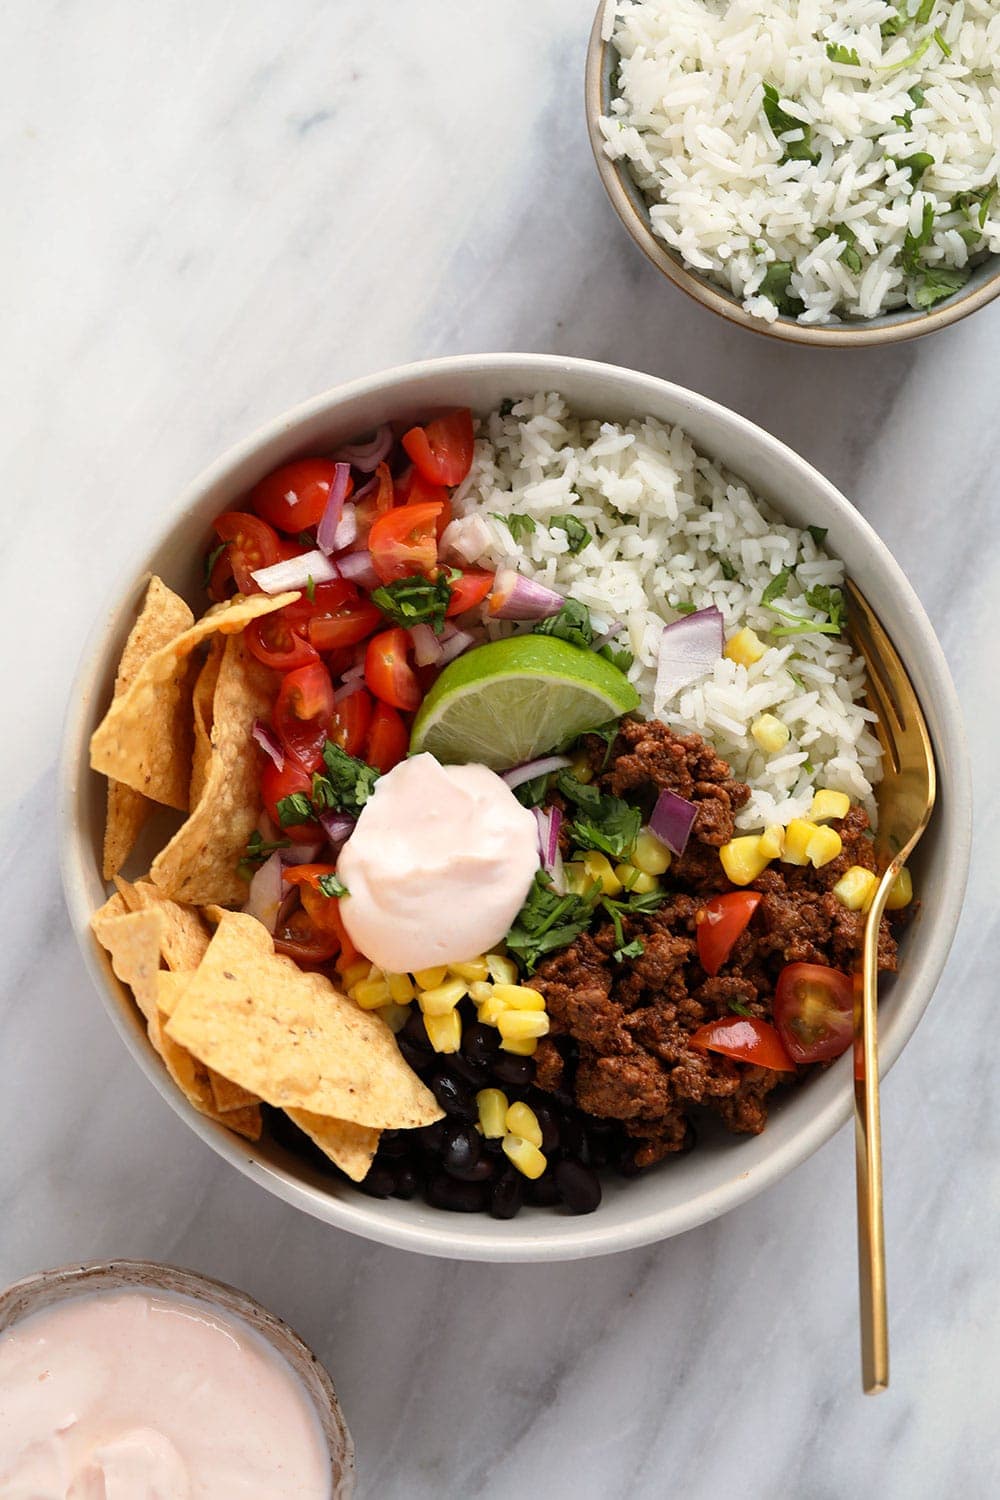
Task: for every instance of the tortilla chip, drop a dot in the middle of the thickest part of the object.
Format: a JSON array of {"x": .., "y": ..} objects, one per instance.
[
  {"x": 169, "y": 989},
  {"x": 163, "y": 616},
  {"x": 201, "y": 706},
  {"x": 115, "y": 906},
  {"x": 185, "y": 937},
  {"x": 351, "y": 1147},
  {"x": 145, "y": 738},
  {"x": 199, "y": 865},
  {"x": 229, "y": 1096},
  {"x": 291, "y": 1037},
  {"x": 133, "y": 943}
]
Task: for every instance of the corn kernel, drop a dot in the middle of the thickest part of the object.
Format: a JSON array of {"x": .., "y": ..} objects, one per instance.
[
  {"x": 400, "y": 988},
  {"x": 501, "y": 970},
  {"x": 769, "y": 734},
  {"x": 519, "y": 1025},
  {"x": 824, "y": 845},
  {"x": 743, "y": 859},
  {"x": 480, "y": 991},
  {"x": 901, "y": 892},
  {"x": 518, "y": 997},
  {"x": 581, "y": 768},
  {"x": 650, "y": 855},
  {"x": 855, "y": 888},
  {"x": 576, "y": 880},
  {"x": 354, "y": 973},
  {"x": 745, "y": 647},
  {"x": 394, "y": 1016},
  {"x": 492, "y": 1105},
  {"x": 597, "y": 867},
  {"x": 429, "y": 979},
  {"x": 522, "y": 1121},
  {"x": 772, "y": 841},
  {"x": 444, "y": 1032},
  {"x": 797, "y": 837},
  {"x": 475, "y": 969},
  {"x": 491, "y": 1009},
  {"x": 636, "y": 880},
  {"x": 439, "y": 1001},
  {"x": 523, "y": 1048},
  {"x": 371, "y": 993},
  {"x": 826, "y": 804},
  {"x": 527, "y": 1158}
]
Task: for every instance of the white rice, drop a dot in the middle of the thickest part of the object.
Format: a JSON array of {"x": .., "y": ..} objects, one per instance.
[
  {"x": 663, "y": 518},
  {"x": 688, "y": 118}
]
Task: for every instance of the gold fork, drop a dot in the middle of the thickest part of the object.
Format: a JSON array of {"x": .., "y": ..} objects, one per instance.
[{"x": 905, "y": 803}]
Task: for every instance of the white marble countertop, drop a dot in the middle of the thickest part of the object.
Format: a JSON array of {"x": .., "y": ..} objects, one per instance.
[{"x": 212, "y": 211}]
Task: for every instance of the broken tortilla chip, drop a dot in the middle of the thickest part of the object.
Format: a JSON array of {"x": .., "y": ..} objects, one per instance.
[
  {"x": 200, "y": 864},
  {"x": 350, "y": 1147},
  {"x": 201, "y": 706},
  {"x": 292, "y": 1038},
  {"x": 133, "y": 944},
  {"x": 145, "y": 738},
  {"x": 185, "y": 936}
]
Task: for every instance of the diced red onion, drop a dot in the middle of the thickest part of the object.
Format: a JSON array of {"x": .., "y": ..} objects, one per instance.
[
  {"x": 518, "y": 775},
  {"x": 265, "y": 895},
  {"x": 338, "y": 827},
  {"x": 348, "y": 688},
  {"x": 326, "y": 531},
  {"x": 515, "y": 597},
  {"x": 455, "y": 645},
  {"x": 357, "y": 566},
  {"x": 367, "y": 456},
  {"x": 300, "y": 854},
  {"x": 672, "y": 820},
  {"x": 689, "y": 648},
  {"x": 427, "y": 648},
  {"x": 269, "y": 743},
  {"x": 615, "y": 628},
  {"x": 347, "y": 531},
  {"x": 549, "y": 822},
  {"x": 295, "y": 573}
]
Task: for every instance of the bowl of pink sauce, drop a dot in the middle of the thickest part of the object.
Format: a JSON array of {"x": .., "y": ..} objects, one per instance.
[{"x": 128, "y": 1380}]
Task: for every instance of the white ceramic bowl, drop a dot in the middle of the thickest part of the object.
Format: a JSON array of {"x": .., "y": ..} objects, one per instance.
[{"x": 721, "y": 1172}]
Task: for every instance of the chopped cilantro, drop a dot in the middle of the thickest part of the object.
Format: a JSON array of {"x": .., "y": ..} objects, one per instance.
[
  {"x": 635, "y": 949},
  {"x": 846, "y": 55},
  {"x": 778, "y": 586},
  {"x": 572, "y": 624},
  {"x": 739, "y": 1008},
  {"x": 906, "y": 62},
  {"x": 258, "y": 849},
  {"x": 808, "y": 767},
  {"x": 726, "y": 567},
  {"x": 913, "y": 244},
  {"x": 685, "y": 609},
  {"x": 776, "y": 286},
  {"x": 305, "y": 540},
  {"x": 332, "y": 885},
  {"x": 348, "y": 782},
  {"x": 781, "y": 122},
  {"x": 941, "y": 42},
  {"x": 415, "y": 601},
  {"x": 916, "y": 165},
  {"x": 546, "y": 922},
  {"x": 977, "y": 204},
  {"x": 601, "y": 821},
  {"x": 311, "y": 589},
  {"x": 608, "y": 733},
  {"x": 924, "y": 13},
  {"x": 829, "y": 600},
  {"x": 905, "y": 120},
  {"x": 211, "y": 558},
  {"x": 577, "y": 535},
  {"x": 818, "y": 534},
  {"x": 796, "y": 679},
  {"x": 293, "y": 809},
  {"x": 519, "y": 525},
  {"x": 937, "y": 283},
  {"x": 532, "y": 793}
]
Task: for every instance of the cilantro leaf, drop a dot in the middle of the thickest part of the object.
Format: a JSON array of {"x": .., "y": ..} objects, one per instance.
[
  {"x": 938, "y": 282},
  {"x": 519, "y": 525},
  {"x": 776, "y": 286},
  {"x": 840, "y": 54},
  {"x": 726, "y": 568},
  {"x": 311, "y": 589},
  {"x": 211, "y": 558},
  {"x": 828, "y": 600},
  {"x": 913, "y": 244},
  {"x": 577, "y": 534},
  {"x": 916, "y": 165},
  {"x": 924, "y": 13},
  {"x": 739, "y": 1008},
  {"x": 332, "y": 885},
  {"x": 778, "y": 586},
  {"x": 414, "y": 601},
  {"x": 684, "y": 609},
  {"x": 258, "y": 849},
  {"x": 976, "y": 204},
  {"x": 635, "y": 949},
  {"x": 571, "y": 624},
  {"x": 818, "y": 534},
  {"x": 781, "y": 122},
  {"x": 546, "y": 922},
  {"x": 601, "y": 821},
  {"x": 293, "y": 809},
  {"x": 348, "y": 782}
]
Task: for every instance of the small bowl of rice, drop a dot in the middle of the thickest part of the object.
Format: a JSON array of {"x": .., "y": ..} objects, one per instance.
[{"x": 825, "y": 173}]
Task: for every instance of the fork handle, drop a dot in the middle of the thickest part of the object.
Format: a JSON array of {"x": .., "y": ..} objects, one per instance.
[{"x": 868, "y": 1156}]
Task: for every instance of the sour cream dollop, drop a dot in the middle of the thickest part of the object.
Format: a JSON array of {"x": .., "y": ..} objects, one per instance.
[
  {"x": 438, "y": 865},
  {"x": 133, "y": 1396}
]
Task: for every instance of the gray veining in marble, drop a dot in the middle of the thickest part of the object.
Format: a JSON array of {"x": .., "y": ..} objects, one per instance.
[{"x": 213, "y": 210}]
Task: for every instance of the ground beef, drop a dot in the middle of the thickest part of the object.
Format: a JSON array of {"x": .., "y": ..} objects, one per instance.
[{"x": 620, "y": 1039}]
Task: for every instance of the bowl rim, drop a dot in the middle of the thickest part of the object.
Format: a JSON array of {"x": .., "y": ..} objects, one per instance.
[
  {"x": 43, "y": 1289},
  {"x": 580, "y": 1237},
  {"x": 912, "y": 323}
]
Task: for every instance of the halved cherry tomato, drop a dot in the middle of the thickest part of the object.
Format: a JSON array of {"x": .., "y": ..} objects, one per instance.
[
  {"x": 814, "y": 1011},
  {"x": 376, "y": 503},
  {"x": 387, "y": 671},
  {"x": 442, "y": 449},
  {"x": 294, "y": 497},
  {"x": 467, "y": 591},
  {"x": 404, "y": 541},
  {"x": 299, "y": 936},
  {"x": 273, "y": 641},
  {"x": 746, "y": 1039},
  {"x": 276, "y": 785},
  {"x": 351, "y": 718},
  {"x": 303, "y": 713},
  {"x": 388, "y": 738},
  {"x": 344, "y": 624},
  {"x": 321, "y": 907},
  {"x": 720, "y": 922},
  {"x": 253, "y": 544}
]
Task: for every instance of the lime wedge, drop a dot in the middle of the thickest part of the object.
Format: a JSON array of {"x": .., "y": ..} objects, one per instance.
[{"x": 512, "y": 700}]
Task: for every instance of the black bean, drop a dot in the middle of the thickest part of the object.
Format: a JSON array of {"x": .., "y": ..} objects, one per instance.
[
  {"x": 454, "y": 1096},
  {"x": 543, "y": 1192},
  {"x": 394, "y": 1143},
  {"x": 549, "y": 1124},
  {"x": 480, "y": 1171},
  {"x": 478, "y": 1074},
  {"x": 443, "y": 1191},
  {"x": 419, "y": 1058},
  {"x": 507, "y": 1196},
  {"x": 462, "y": 1147},
  {"x": 580, "y": 1189},
  {"x": 431, "y": 1137},
  {"x": 407, "y": 1183},
  {"x": 516, "y": 1072},
  {"x": 380, "y": 1182},
  {"x": 573, "y": 1137},
  {"x": 480, "y": 1043}
]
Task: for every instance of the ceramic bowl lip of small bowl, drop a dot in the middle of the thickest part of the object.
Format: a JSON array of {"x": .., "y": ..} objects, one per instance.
[
  {"x": 482, "y": 381},
  {"x": 45, "y": 1289},
  {"x": 630, "y": 206}
]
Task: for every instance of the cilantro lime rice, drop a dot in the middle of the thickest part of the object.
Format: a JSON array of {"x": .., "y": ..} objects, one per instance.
[{"x": 632, "y": 522}]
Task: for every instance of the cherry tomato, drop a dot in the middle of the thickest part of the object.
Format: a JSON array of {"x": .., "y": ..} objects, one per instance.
[
  {"x": 468, "y": 591},
  {"x": 381, "y": 499},
  {"x": 303, "y": 712},
  {"x": 442, "y": 449},
  {"x": 300, "y": 938},
  {"x": 294, "y": 497},
  {"x": 404, "y": 541},
  {"x": 720, "y": 922},
  {"x": 388, "y": 738},
  {"x": 275, "y": 785},
  {"x": 746, "y": 1039},
  {"x": 220, "y": 574},
  {"x": 344, "y": 624},
  {"x": 253, "y": 544},
  {"x": 814, "y": 1011},
  {"x": 275, "y": 642},
  {"x": 413, "y": 489},
  {"x": 387, "y": 671},
  {"x": 320, "y": 907},
  {"x": 351, "y": 717}
]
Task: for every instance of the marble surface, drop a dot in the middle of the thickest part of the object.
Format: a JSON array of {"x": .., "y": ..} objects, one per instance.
[{"x": 211, "y": 211}]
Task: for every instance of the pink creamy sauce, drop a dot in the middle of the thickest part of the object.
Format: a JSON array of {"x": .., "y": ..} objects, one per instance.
[{"x": 136, "y": 1396}]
